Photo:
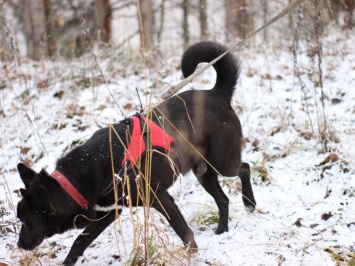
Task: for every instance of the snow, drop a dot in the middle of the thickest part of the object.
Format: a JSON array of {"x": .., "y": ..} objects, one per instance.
[{"x": 305, "y": 210}]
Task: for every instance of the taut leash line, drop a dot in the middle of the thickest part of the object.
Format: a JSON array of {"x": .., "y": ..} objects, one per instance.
[{"x": 175, "y": 88}]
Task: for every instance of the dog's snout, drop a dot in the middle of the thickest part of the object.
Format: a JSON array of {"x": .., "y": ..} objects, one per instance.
[
  {"x": 27, "y": 245},
  {"x": 19, "y": 245},
  {"x": 22, "y": 245}
]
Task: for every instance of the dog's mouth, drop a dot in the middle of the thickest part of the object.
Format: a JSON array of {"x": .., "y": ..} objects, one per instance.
[
  {"x": 29, "y": 245},
  {"x": 25, "y": 247}
]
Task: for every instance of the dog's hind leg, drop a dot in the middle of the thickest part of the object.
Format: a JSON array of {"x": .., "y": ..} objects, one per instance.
[
  {"x": 209, "y": 181},
  {"x": 247, "y": 190},
  {"x": 92, "y": 231},
  {"x": 166, "y": 206}
]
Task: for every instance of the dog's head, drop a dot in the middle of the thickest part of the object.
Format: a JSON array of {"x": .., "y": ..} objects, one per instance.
[{"x": 36, "y": 211}]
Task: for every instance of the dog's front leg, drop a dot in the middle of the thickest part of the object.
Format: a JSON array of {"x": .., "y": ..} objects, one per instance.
[
  {"x": 93, "y": 230},
  {"x": 247, "y": 190},
  {"x": 165, "y": 205}
]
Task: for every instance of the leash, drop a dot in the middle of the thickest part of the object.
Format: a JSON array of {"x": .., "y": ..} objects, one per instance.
[{"x": 175, "y": 88}]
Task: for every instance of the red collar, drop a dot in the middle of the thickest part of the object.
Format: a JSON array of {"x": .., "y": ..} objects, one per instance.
[{"x": 70, "y": 189}]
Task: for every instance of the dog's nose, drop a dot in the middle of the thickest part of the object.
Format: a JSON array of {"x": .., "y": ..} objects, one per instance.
[
  {"x": 19, "y": 245},
  {"x": 22, "y": 245}
]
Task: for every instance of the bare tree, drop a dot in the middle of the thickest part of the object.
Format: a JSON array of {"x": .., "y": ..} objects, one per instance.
[
  {"x": 39, "y": 28},
  {"x": 103, "y": 18},
  {"x": 51, "y": 37},
  {"x": 185, "y": 23},
  {"x": 204, "y": 34},
  {"x": 290, "y": 18},
  {"x": 161, "y": 22},
  {"x": 349, "y": 7},
  {"x": 265, "y": 18},
  {"x": 237, "y": 17},
  {"x": 5, "y": 47},
  {"x": 146, "y": 25}
]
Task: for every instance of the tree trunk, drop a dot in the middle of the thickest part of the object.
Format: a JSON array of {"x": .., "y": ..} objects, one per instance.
[
  {"x": 35, "y": 29},
  {"x": 237, "y": 17},
  {"x": 51, "y": 31},
  {"x": 204, "y": 34},
  {"x": 349, "y": 8},
  {"x": 290, "y": 18},
  {"x": 6, "y": 53},
  {"x": 162, "y": 18},
  {"x": 185, "y": 24},
  {"x": 334, "y": 10},
  {"x": 265, "y": 19},
  {"x": 103, "y": 18},
  {"x": 146, "y": 25}
]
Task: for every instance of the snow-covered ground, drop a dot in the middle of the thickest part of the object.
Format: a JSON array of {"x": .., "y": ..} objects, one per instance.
[{"x": 305, "y": 194}]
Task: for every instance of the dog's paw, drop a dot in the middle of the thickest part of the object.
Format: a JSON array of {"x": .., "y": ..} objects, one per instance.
[
  {"x": 190, "y": 245},
  {"x": 249, "y": 208},
  {"x": 221, "y": 229},
  {"x": 69, "y": 262},
  {"x": 192, "y": 250},
  {"x": 249, "y": 203}
]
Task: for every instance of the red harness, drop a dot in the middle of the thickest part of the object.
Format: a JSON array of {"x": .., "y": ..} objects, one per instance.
[
  {"x": 137, "y": 146},
  {"x": 157, "y": 136}
]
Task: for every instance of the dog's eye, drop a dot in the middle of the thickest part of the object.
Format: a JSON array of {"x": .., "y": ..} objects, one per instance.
[
  {"x": 23, "y": 225},
  {"x": 27, "y": 226}
]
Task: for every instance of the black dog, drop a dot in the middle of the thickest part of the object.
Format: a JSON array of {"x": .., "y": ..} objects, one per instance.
[{"x": 200, "y": 132}]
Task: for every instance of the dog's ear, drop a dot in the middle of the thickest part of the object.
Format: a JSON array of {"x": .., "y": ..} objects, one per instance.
[
  {"x": 29, "y": 196},
  {"x": 23, "y": 192},
  {"x": 27, "y": 174},
  {"x": 36, "y": 197},
  {"x": 43, "y": 173}
]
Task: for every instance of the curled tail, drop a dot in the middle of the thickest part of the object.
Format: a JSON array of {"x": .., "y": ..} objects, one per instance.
[{"x": 227, "y": 68}]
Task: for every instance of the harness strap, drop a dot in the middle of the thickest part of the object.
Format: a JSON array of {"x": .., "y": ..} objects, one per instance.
[
  {"x": 119, "y": 177},
  {"x": 178, "y": 153},
  {"x": 136, "y": 145},
  {"x": 140, "y": 132},
  {"x": 143, "y": 129}
]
